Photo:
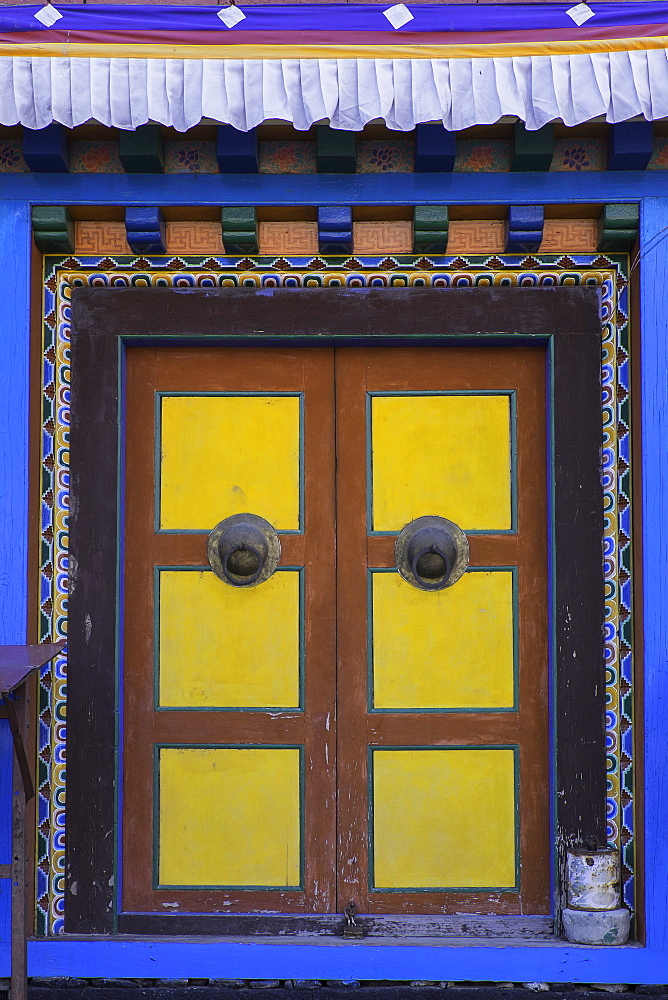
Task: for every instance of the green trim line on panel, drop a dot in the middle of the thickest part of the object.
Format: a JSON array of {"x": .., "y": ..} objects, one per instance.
[
  {"x": 293, "y": 709},
  {"x": 157, "y": 747},
  {"x": 511, "y": 393},
  {"x": 159, "y": 395},
  {"x": 471, "y": 746},
  {"x": 514, "y": 570}
]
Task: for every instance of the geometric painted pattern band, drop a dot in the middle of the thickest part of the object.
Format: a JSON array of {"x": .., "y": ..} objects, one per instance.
[{"x": 609, "y": 273}]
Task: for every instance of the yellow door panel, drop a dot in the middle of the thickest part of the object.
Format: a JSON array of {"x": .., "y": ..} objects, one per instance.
[
  {"x": 227, "y": 454},
  {"x": 229, "y": 817},
  {"x": 444, "y": 818},
  {"x": 228, "y": 647},
  {"x": 441, "y": 454},
  {"x": 452, "y": 648}
]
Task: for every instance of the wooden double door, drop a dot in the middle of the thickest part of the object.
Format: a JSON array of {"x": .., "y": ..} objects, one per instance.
[{"x": 334, "y": 734}]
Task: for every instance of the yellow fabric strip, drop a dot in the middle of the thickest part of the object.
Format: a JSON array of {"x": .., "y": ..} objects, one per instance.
[{"x": 85, "y": 50}]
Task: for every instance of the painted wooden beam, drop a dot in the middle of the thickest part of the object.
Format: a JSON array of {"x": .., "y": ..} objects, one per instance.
[
  {"x": 240, "y": 230},
  {"x": 435, "y": 149},
  {"x": 288, "y": 959},
  {"x": 531, "y": 150},
  {"x": 335, "y": 229},
  {"x": 145, "y": 229},
  {"x": 618, "y": 227},
  {"x": 237, "y": 190},
  {"x": 53, "y": 229},
  {"x": 142, "y": 151},
  {"x": 430, "y": 229},
  {"x": 524, "y": 228},
  {"x": 336, "y": 151},
  {"x": 629, "y": 145},
  {"x": 237, "y": 152},
  {"x": 45, "y": 150}
]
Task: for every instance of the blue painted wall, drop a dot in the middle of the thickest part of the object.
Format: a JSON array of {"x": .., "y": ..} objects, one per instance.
[
  {"x": 15, "y": 238},
  {"x": 552, "y": 962},
  {"x": 654, "y": 430}
]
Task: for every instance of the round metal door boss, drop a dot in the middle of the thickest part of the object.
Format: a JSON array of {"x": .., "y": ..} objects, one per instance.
[
  {"x": 431, "y": 553},
  {"x": 243, "y": 550}
]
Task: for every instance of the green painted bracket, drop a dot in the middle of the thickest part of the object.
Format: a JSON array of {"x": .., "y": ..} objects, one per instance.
[
  {"x": 142, "y": 151},
  {"x": 618, "y": 227},
  {"x": 53, "y": 229},
  {"x": 532, "y": 150},
  {"x": 240, "y": 235},
  {"x": 336, "y": 151},
  {"x": 430, "y": 228}
]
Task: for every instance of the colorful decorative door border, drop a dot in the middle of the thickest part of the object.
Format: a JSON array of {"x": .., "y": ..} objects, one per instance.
[{"x": 609, "y": 273}]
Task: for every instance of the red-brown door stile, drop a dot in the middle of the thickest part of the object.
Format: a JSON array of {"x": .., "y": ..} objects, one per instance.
[
  {"x": 230, "y": 370},
  {"x": 362, "y": 370}
]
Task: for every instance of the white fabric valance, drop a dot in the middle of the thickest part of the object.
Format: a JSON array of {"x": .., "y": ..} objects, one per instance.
[{"x": 349, "y": 93}]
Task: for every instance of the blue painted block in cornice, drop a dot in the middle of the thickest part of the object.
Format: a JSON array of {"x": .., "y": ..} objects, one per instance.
[
  {"x": 335, "y": 229},
  {"x": 525, "y": 218},
  {"x": 435, "y": 149},
  {"x": 145, "y": 243},
  {"x": 45, "y": 150},
  {"x": 145, "y": 229},
  {"x": 334, "y": 217},
  {"x": 629, "y": 145},
  {"x": 237, "y": 152},
  {"x": 524, "y": 242},
  {"x": 524, "y": 228},
  {"x": 141, "y": 219}
]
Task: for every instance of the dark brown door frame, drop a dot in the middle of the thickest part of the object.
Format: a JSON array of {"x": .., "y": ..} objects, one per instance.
[{"x": 103, "y": 320}]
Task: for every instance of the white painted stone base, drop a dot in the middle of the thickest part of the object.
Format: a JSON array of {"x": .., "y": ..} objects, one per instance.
[{"x": 597, "y": 926}]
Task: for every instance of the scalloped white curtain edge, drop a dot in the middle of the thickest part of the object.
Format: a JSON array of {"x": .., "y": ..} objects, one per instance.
[{"x": 126, "y": 93}]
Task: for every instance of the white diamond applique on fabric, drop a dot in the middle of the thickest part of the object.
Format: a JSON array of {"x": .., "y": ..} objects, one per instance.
[{"x": 398, "y": 15}]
